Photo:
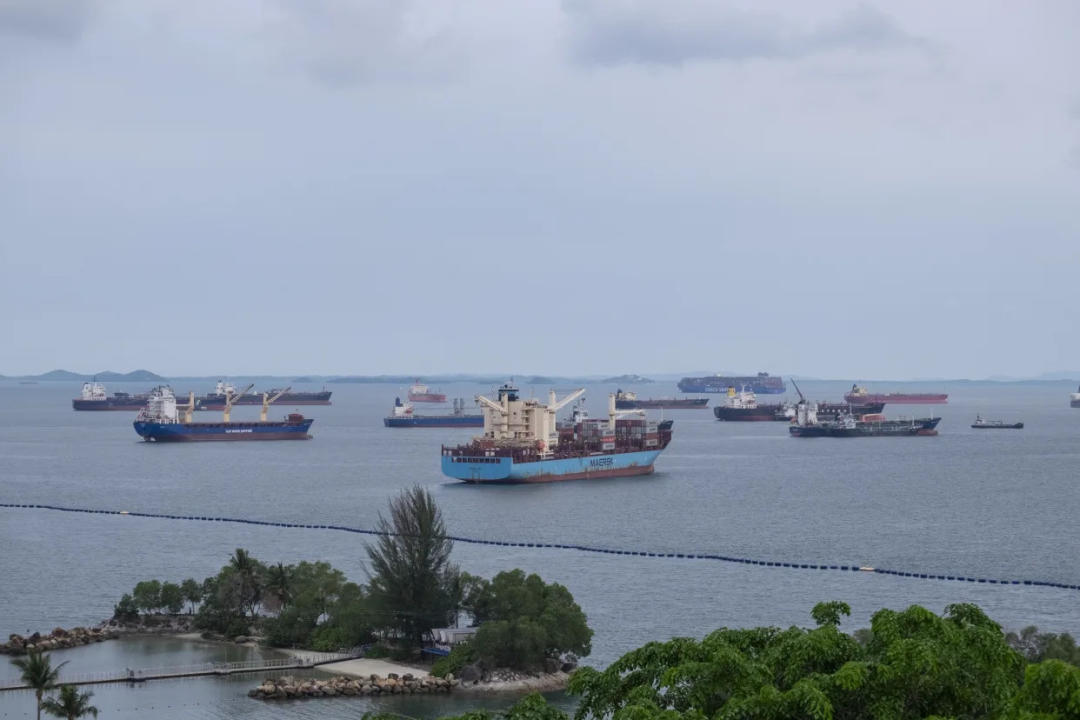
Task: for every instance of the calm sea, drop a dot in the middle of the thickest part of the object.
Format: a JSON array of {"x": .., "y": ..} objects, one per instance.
[{"x": 998, "y": 504}]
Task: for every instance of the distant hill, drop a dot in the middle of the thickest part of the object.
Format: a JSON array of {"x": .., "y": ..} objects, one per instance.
[{"x": 104, "y": 376}]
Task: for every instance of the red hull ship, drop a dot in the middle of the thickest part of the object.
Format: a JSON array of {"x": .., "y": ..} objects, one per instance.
[
  {"x": 419, "y": 393},
  {"x": 860, "y": 395}
]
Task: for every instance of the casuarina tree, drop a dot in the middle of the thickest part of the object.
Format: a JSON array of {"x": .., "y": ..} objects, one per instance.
[{"x": 412, "y": 583}]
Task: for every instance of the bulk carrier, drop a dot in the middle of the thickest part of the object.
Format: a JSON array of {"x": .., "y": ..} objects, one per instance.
[
  {"x": 744, "y": 407},
  {"x": 763, "y": 384},
  {"x": 162, "y": 421},
  {"x": 523, "y": 442},
  {"x": 419, "y": 392},
  {"x": 216, "y": 399},
  {"x": 859, "y": 394},
  {"x": 93, "y": 397}
]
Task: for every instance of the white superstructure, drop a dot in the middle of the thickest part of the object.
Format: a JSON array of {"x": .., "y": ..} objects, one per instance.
[{"x": 93, "y": 391}]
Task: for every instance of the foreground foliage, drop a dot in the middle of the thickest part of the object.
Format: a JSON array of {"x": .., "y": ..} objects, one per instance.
[{"x": 910, "y": 665}]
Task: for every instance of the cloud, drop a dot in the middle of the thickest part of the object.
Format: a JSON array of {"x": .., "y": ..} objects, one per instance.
[
  {"x": 345, "y": 42},
  {"x": 610, "y": 32},
  {"x": 58, "y": 21}
]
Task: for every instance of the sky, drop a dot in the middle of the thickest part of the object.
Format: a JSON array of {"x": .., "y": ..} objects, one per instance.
[{"x": 839, "y": 189}]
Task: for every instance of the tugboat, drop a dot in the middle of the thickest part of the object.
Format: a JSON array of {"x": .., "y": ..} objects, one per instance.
[
  {"x": 630, "y": 401},
  {"x": 403, "y": 416},
  {"x": 523, "y": 443},
  {"x": 420, "y": 393},
  {"x": 161, "y": 421},
  {"x": 981, "y": 424}
]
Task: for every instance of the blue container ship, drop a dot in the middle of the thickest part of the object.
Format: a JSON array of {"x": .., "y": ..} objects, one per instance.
[
  {"x": 403, "y": 416},
  {"x": 164, "y": 421},
  {"x": 524, "y": 443}
]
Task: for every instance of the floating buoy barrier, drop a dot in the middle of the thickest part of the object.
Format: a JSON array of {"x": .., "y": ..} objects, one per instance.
[{"x": 574, "y": 548}]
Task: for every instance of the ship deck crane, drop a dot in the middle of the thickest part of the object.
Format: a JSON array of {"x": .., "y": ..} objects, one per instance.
[
  {"x": 268, "y": 401},
  {"x": 188, "y": 407},
  {"x": 614, "y": 414},
  {"x": 231, "y": 397}
]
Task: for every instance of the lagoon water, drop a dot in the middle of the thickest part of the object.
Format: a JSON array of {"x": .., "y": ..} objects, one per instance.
[{"x": 999, "y": 504}]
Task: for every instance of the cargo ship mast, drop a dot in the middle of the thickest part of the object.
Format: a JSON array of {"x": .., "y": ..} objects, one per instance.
[
  {"x": 230, "y": 398},
  {"x": 268, "y": 401}
]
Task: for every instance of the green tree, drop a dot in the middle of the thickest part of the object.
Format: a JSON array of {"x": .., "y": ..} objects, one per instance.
[
  {"x": 191, "y": 589},
  {"x": 126, "y": 610},
  {"x": 1051, "y": 691},
  {"x": 915, "y": 665},
  {"x": 39, "y": 674},
  {"x": 172, "y": 597},
  {"x": 412, "y": 581},
  {"x": 70, "y": 704},
  {"x": 147, "y": 595},
  {"x": 524, "y": 620},
  {"x": 278, "y": 586},
  {"x": 249, "y": 573}
]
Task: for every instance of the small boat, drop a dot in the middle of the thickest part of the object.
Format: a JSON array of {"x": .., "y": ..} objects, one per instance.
[{"x": 981, "y": 424}]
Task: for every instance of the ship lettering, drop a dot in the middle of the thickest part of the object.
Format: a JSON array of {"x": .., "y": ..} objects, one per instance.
[{"x": 602, "y": 462}]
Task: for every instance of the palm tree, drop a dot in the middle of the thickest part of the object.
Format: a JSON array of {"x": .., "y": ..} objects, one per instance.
[
  {"x": 39, "y": 674},
  {"x": 71, "y": 704},
  {"x": 278, "y": 584},
  {"x": 247, "y": 569}
]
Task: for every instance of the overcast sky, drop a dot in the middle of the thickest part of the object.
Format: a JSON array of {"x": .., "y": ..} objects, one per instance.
[{"x": 841, "y": 189}]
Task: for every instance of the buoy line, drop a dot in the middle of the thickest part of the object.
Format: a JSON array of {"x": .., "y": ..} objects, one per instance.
[{"x": 849, "y": 567}]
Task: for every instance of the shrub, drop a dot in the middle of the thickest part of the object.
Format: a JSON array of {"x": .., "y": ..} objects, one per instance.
[{"x": 460, "y": 656}]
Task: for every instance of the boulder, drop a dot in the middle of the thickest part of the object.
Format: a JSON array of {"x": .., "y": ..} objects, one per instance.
[
  {"x": 551, "y": 665},
  {"x": 470, "y": 673}
]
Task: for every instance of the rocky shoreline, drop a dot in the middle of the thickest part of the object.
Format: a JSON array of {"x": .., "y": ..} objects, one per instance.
[
  {"x": 289, "y": 688},
  {"x": 58, "y": 639}
]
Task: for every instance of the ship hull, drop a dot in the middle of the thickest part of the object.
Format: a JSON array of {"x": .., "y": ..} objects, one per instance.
[
  {"x": 109, "y": 404},
  {"x": 505, "y": 470},
  {"x": 884, "y": 428},
  {"x": 899, "y": 398},
  {"x": 217, "y": 402},
  {"x": 998, "y": 426},
  {"x": 1074, "y": 402},
  {"x": 663, "y": 404},
  {"x": 427, "y": 397},
  {"x": 213, "y": 432},
  {"x": 434, "y": 421},
  {"x": 761, "y": 413}
]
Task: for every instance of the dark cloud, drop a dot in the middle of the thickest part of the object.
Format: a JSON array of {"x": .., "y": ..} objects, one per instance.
[
  {"x": 60, "y": 21},
  {"x": 678, "y": 31}
]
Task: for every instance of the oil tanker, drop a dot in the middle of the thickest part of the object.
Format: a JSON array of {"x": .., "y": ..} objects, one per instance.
[
  {"x": 216, "y": 399},
  {"x": 630, "y": 401},
  {"x": 161, "y": 421},
  {"x": 93, "y": 397},
  {"x": 744, "y": 407},
  {"x": 523, "y": 442},
  {"x": 808, "y": 425},
  {"x": 859, "y": 394},
  {"x": 403, "y": 416},
  {"x": 420, "y": 393},
  {"x": 762, "y": 384}
]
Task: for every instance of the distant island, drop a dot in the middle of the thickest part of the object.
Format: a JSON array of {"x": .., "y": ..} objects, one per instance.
[
  {"x": 103, "y": 376},
  {"x": 627, "y": 380}
]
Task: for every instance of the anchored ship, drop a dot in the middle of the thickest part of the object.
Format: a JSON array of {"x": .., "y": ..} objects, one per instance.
[
  {"x": 216, "y": 399},
  {"x": 420, "y": 393},
  {"x": 404, "y": 416},
  {"x": 523, "y": 442},
  {"x": 1074, "y": 399},
  {"x": 163, "y": 420},
  {"x": 981, "y": 424},
  {"x": 93, "y": 397},
  {"x": 859, "y": 394},
  {"x": 744, "y": 407},
  {"x": 808, "y": 425},
  {"x": 762, "y": 384},
  {"x": 630, "y": 401}
]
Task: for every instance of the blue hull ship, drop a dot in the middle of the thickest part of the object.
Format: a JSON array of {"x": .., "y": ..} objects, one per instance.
[
  {"x": 190, "y": 432},
  {"x": 483, "y": 469},
  {"x": 523, "y": 442}
]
